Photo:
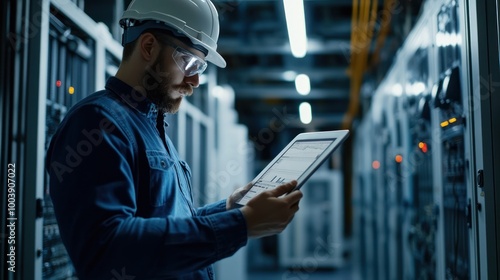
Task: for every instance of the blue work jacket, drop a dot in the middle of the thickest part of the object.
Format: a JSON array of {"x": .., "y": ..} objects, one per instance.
[{"x": 122, "y": 197}]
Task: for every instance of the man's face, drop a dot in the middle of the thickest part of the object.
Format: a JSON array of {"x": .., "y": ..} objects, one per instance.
[{"x": 166, "y": 84}]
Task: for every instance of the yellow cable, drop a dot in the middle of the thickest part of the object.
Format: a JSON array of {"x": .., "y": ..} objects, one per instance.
[
  {"x": 363, "y": 24},
  {"x": 354, "y": 38}
]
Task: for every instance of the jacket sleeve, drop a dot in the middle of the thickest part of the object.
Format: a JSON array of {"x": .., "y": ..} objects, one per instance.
[
  {"x": 91, "y": 164},
  {"x": 213, "y": 208}
]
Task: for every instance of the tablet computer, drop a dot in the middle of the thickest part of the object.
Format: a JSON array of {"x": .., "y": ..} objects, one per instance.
[{"x": 297, "y": 161}]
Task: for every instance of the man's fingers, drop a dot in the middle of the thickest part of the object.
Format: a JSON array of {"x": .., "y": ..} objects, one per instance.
[
  {"x": 241, "y": 191},
  {"x": 293, "y": 198},
  {"x": 283, "y": 189},
  {"x": 248, "y": 186}
]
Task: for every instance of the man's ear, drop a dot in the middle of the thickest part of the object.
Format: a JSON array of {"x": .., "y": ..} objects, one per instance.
[{"x": 149, "y": 47}]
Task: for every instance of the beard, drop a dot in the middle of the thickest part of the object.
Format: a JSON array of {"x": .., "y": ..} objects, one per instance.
[{"x": 161, "y": 89}]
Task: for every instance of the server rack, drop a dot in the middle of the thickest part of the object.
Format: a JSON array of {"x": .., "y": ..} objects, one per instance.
[
  {"x": 70, "y": 78},
  {"x": 23, "y": 89},
  {"x": 455, "y": 197},
  {"x": 434, "y": 221},
  {"x": 74, "y": 72},
  {"x": 482, "y": 59},
  {"x": 449, "y": 120},
  {"x": 420, "y": 217}
]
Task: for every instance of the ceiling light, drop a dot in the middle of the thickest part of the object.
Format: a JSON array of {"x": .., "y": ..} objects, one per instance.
[
  {"x": 303, "y": 84},
  {"x": 296, "y": 25},
  {"x": 289, "y": 75},
  {"x": 305, "y": 113}
]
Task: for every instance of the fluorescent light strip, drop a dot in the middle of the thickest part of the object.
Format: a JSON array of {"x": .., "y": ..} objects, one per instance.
[
  {"x": 296, "y": 25},
  {"x": 303, "y": 84},
  {"x": 305, "y": 112}
]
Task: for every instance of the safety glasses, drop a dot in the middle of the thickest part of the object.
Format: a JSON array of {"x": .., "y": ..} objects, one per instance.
[{"x": 189, "y": 63}]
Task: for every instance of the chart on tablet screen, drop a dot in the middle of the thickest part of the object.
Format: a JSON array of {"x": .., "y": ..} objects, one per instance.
[{"x": 297, "y": 159}]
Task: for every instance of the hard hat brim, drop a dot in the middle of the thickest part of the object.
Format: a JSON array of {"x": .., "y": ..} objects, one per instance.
[{"x": 215, "y": 58}]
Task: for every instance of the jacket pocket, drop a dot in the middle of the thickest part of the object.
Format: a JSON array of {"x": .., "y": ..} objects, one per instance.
[{"x": 162, "y": 178}]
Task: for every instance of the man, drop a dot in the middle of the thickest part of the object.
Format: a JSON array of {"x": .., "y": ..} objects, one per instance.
[{"x": 121, "y": 195}]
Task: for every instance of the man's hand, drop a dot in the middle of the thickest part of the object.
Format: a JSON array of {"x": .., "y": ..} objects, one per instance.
[
  {"x": 236, "y": 195},
  {"x": 268, "y": 213}
]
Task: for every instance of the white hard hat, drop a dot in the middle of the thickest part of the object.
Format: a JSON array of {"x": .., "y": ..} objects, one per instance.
[{"x": 197, "y": 20}]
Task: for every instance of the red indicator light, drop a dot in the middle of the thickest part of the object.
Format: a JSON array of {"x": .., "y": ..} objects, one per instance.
[
  {"x": 376, "y": 164},
  {"x": 423, "y": 147},
  {"x": 399, "y": 159},
  {"x": 58, "y": 83}
]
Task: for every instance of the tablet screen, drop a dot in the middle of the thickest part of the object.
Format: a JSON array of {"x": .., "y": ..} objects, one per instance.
[{"x": 290, "y": 166}]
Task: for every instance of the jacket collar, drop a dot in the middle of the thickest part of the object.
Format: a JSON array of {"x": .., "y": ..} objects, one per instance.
[{"x": 133, "y": 98}]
